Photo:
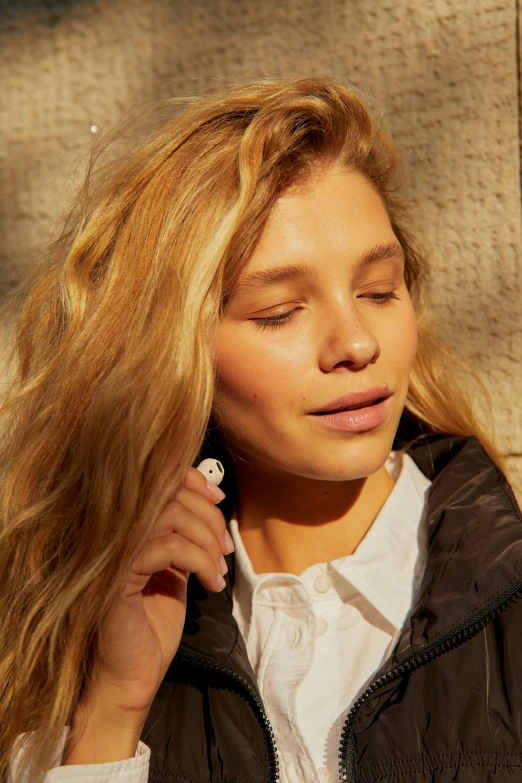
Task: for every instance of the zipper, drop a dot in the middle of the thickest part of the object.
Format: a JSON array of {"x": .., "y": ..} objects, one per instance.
[
  {"x": 464, "y": 631},
  {"x": 199, "y": 660}
]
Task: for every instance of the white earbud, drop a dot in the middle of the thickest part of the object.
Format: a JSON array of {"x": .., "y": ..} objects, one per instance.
[{"x": 213, "y": 470}]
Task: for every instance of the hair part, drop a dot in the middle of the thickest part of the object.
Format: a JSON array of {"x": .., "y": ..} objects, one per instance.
[{"x": 112, "y": 383}]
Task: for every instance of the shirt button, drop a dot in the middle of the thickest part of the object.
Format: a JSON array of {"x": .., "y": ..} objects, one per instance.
[
  {"x": 324, "y": 775},
  {"x": 320, "y": 626},
  {"x": 322, "y": 583}
]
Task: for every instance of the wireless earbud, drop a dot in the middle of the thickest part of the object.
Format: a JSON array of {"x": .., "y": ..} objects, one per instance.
[{"x": 212, "y": 469}]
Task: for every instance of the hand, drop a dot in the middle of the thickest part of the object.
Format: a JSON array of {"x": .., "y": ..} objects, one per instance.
[{"x": 142, "y": 631}]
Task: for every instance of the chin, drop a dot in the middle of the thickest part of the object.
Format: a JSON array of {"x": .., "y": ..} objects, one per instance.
[
  {"x": 363, "y": 456},
  {"x": 348, "y": 462}
]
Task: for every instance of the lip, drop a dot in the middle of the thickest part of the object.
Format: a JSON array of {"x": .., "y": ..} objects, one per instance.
[
  {"x": 359, "y": 420},
  {"x": 356, "y": 398}
]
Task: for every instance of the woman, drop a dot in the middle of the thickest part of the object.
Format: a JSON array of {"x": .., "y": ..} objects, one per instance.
[{"x": 217, "y": 293}]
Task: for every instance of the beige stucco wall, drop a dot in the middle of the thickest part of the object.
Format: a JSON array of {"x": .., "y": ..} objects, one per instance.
[{"x": 443, "y": 72}]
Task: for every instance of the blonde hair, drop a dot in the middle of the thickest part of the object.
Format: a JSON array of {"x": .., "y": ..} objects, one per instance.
[{"x": 113, "y": 379}]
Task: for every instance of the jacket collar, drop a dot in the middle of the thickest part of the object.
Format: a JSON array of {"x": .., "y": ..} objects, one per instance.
[{"x": 474, "y": 541}]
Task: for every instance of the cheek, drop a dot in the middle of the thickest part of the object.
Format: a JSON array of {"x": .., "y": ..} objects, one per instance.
[
  {"x": 401, "y": 341},
  {"x": 250, "y": 370}
]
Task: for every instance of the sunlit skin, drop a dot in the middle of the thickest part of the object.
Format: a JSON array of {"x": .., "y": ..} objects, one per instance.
[{"x": 308, "y": 494}]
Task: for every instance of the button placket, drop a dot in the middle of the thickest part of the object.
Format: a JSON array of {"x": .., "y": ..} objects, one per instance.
[
  {"x": 288, "y": 665},
  {"x": 324, "y": 775},
  {"x": 322, "y": 583}
]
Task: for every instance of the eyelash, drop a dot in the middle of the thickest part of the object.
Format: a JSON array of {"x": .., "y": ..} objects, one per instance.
[{"x": 279, "y": 320}]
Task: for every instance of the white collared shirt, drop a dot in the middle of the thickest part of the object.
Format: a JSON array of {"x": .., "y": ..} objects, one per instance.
[{"x": 314, "y": 640}]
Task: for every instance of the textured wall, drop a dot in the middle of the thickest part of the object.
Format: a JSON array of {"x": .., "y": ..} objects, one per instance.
[{"x": 443, "y": 72}]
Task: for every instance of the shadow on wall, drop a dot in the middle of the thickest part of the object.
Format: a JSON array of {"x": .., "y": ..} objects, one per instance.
[
  {"x": 31, "y": 144},
  {"x": 52, "y": 8}
]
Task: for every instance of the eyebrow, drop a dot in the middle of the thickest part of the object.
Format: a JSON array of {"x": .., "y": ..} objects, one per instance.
[{"x": 265, "y": 277}]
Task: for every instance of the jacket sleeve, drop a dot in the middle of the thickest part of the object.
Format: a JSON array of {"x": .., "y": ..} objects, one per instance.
[{"x": 134, "y": 770}]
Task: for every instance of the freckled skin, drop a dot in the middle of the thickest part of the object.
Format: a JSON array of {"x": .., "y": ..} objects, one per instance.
[{"x": 307, "y": 494}]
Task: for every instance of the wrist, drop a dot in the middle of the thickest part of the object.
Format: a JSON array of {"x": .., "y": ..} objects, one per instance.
[{"x": 103, "y": 733}]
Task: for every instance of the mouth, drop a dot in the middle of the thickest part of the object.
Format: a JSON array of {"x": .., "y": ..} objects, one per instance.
[
  {"x": 363, "y": 416},
  {"x": 367, "y": 404}
]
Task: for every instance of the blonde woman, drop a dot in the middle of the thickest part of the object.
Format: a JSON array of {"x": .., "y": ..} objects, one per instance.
[{"x": 246, "y": 285}]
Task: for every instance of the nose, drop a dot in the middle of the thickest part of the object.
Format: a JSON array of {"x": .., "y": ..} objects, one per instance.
[{"x": 351, "y": 342}]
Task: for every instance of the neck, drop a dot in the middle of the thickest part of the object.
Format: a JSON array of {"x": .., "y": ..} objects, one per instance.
[{"x": 289, "y": 523}]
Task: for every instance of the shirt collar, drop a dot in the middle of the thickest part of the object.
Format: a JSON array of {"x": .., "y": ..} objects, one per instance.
[{"x": 387, "y": 565}]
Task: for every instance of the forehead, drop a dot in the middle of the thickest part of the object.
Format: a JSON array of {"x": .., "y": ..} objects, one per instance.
[
  {"x": 337, "y": 217},
  {"x": 340, "y": 206}
]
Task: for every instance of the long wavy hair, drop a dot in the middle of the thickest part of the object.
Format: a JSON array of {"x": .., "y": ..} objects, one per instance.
[{"x": 110, "y": 377}]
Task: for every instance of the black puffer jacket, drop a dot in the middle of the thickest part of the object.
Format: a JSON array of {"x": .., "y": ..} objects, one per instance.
[{"x": 446, "y": 705}]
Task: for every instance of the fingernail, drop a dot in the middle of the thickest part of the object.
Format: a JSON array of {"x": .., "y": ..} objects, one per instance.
[
  {"x": 220, "y": 581},
  {"x": 224, "y": 567},
  {"x": 216, "y": 491},
  {"x": 228, "y": 542}
]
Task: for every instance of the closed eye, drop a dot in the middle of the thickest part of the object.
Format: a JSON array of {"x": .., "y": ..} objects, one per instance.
[
  {"x": 387, "y": 297},
  {"x": 273, "y": 321}
]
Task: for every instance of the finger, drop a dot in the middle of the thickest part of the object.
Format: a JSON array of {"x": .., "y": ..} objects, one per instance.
[
  {"x": 177, "y": 518},
  {"x": 175, "y": 551},
  {"x": 201, "y": 508},
  {"x": 196, "y": 481}
]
